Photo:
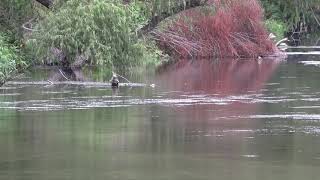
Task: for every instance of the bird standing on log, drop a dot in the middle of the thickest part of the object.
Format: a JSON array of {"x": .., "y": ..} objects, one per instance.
[{"x": 114, "y": 80}]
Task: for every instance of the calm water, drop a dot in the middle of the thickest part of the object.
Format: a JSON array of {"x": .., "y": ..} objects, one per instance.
[{"x": 203, "y": 120}]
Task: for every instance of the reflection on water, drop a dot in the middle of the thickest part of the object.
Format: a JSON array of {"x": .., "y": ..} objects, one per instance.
[
  {"x": 223, "y": 78},
  {"x": 231, "y": 119}
]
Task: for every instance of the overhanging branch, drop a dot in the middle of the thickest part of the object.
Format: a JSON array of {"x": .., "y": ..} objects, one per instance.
[{"x": 155, "y": 20}]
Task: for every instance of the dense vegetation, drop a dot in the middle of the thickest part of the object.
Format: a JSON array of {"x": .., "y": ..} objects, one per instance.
[
  {"x": 10, "y": 57},
  {"x": 292, "y": 16},
  {"x": 102, "y": 31},
  {"x": 116, "y": 33},
  {"x": 13, "y": 13}
]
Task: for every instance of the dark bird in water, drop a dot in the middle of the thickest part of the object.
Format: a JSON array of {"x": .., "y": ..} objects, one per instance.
[{"x": 114, "y": 80}]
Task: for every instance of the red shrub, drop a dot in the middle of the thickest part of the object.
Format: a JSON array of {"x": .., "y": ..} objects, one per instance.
[{"x": 235, "y": 29}]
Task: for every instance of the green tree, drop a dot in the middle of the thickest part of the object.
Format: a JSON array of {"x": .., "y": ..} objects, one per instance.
[
  {"x": 294, "y": 12},
  {"x": 101, "y": 30}
]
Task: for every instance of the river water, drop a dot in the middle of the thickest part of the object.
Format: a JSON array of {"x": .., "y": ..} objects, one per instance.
[{"x": 196, "y": 120}]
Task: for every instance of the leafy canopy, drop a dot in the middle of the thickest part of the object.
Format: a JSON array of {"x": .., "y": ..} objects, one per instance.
[
  {"x": 103, "y": 30},
  {"x": 10, "y": 57}
]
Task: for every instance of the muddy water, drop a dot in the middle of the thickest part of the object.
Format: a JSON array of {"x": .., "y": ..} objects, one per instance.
[{"x": 232, "y": 119}]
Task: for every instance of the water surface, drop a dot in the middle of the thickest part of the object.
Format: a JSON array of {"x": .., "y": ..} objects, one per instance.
[{"x": 221, "y": 119}]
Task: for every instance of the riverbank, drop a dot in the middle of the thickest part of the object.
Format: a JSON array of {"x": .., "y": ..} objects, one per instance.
[{"x": 71, "y": 35}]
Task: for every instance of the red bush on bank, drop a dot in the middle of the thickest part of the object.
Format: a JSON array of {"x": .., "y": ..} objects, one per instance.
[{"x": 233, "y": 28}]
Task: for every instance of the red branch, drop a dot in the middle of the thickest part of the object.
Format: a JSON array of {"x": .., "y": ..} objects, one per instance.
[{"x": 235, "y": 29}]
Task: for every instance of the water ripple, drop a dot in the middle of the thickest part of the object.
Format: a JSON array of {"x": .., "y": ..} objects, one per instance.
[
  {"x": 59, "y": 103},
  {"x": 285, "y": 116}
]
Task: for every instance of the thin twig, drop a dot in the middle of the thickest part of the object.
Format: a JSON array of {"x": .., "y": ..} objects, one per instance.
[
  {"x": 63, "y": 75},
  {"x": 123, "y": 78}
]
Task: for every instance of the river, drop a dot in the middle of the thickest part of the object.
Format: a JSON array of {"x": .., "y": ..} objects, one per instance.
[{"x": 196, "y": 120}]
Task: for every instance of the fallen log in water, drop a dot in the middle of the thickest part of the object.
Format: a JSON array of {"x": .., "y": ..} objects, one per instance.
[{"x": 73, "y": 83}]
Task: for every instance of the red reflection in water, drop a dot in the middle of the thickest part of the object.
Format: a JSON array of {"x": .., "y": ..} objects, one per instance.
[
  {"x": 217, "y": 79},
  {"x": 223, "y": 77}
]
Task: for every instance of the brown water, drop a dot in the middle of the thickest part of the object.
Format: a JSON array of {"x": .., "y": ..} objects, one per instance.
[{"x": 227, "y": 119}]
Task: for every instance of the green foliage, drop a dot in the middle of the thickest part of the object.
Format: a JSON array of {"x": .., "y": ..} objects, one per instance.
[
  {"x": 13, "y": 13},
  {"x": 293, "y": 12},
  {"x": 103, "y": 30},
  {"x": 10, "y": 58},
  {"x": 139, "y": 16},
  {"x": 277, "y": 27},
  {"x": 16, "y": 10}
]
